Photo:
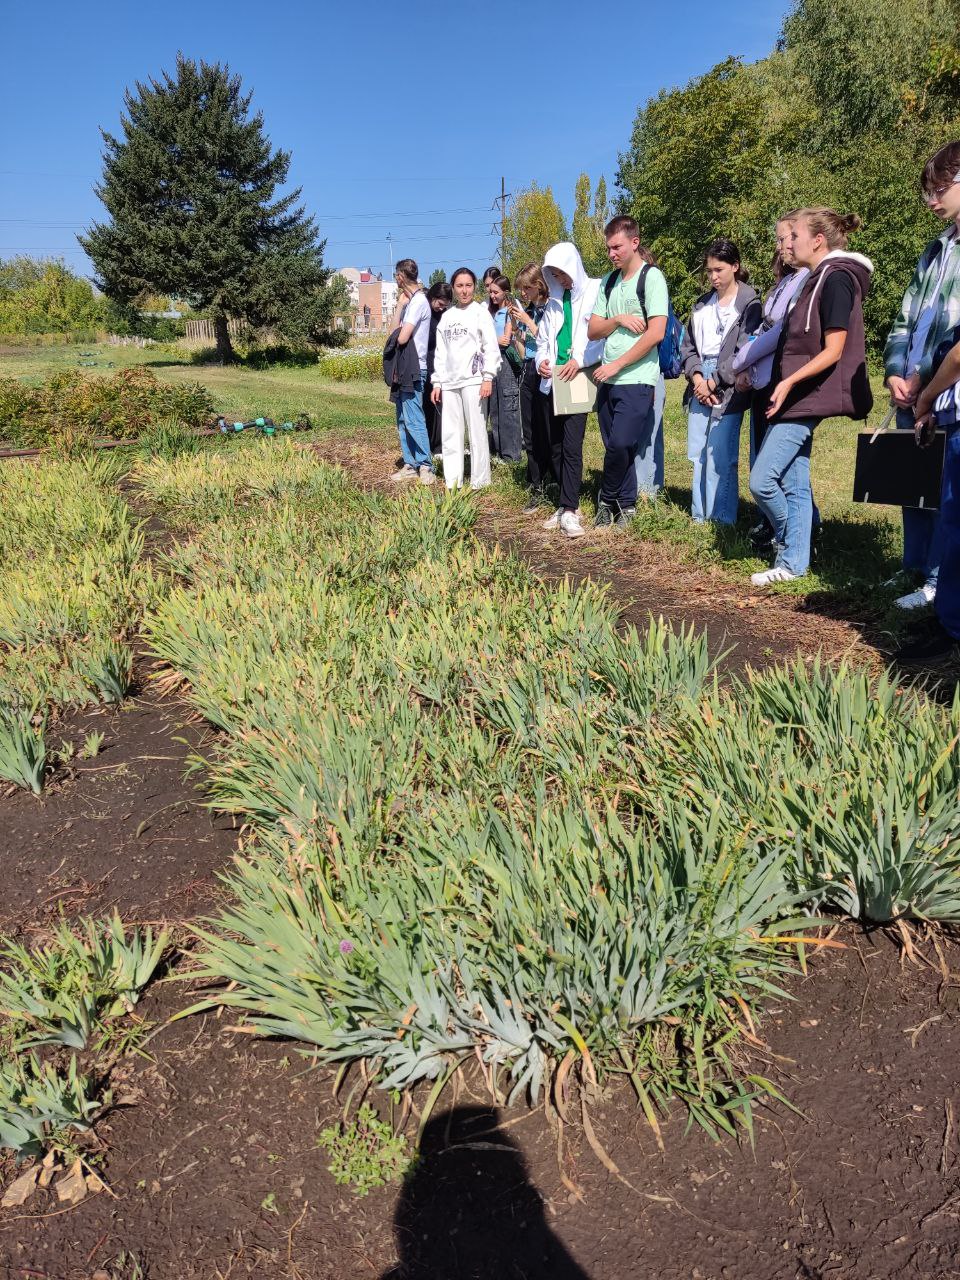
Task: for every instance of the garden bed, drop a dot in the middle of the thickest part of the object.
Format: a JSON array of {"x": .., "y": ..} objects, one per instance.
[{"x": 210, "y": 1148}]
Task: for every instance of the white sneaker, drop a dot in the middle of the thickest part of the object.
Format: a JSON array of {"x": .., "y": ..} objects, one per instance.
[
  {"x": 919, "y": 599},
  {"x": 570, "y": 524},
  {"x": 769, "y": 576},
  {"x": 427, "y": 476},
  {"x": 554, "y": 521},
  {"x": 405, "y": 473}
]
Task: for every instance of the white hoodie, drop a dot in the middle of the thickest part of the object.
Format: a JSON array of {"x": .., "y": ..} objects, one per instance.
[
  {"x": 583, "y": 296},
  {"x": 467, "y": 349}
]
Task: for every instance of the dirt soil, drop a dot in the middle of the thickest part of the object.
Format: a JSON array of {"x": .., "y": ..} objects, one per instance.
[{"x": 210, "y": 1150}]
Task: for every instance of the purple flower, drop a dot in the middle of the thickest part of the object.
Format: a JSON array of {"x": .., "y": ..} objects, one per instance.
[{"x": 346, "y": 946}]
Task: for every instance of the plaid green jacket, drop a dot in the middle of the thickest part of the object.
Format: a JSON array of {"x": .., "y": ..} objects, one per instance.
[{"x": 919, "y": 292}]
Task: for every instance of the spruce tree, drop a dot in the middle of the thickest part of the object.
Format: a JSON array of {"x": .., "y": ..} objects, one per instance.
[{"x": 190, "y": 193}]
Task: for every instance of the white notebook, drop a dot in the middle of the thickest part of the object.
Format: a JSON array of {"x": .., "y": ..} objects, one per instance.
[{"x": 579, "y": 395}]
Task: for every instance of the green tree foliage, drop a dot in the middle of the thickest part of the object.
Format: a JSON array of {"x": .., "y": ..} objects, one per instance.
[
  {"x": 843, "y": 112},
  {"x": 191, "y": 193},
  {"x": 588, "y": 226},
  {"x": 44, "y": 296},
  {"x": 437, "y": 276},
  {"x": 534, "y": 223}
]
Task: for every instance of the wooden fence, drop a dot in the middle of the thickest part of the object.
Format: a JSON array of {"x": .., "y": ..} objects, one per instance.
[{"x": 203, "y": 330}]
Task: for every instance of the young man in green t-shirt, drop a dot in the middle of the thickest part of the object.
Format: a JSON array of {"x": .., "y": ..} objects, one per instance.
[{"x": 633, "y": 328}]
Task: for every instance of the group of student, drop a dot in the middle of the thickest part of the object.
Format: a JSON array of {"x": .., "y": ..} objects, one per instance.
[{"x": 486, "y": 373}]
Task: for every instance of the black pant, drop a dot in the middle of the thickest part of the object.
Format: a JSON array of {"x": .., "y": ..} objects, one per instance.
[
  {"x": 625, "y": 415},
  {"x": 505, "y": 414},
  {"x": 759, "y": 402},
  {"x": 431, "y": 413},
  {"x": 566, "y": 448},
  {"x": 535, "y": 412}
]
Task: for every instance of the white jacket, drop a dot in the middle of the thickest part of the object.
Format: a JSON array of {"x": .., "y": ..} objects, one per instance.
[
  {"x": 467, "y": 349},
  {"x": 583, "y": 297}
]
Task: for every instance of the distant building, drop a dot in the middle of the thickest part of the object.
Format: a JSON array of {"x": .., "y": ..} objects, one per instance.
[{"x": 372, "y": 298}]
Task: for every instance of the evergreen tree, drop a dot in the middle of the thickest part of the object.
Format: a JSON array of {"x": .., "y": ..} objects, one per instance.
[
  {"x": 437, "y": 276},
  {"x": 190, "y": 193}
]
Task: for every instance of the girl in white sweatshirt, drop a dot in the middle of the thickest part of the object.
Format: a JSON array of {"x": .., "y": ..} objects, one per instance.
[{"x": 466, "y": 362}]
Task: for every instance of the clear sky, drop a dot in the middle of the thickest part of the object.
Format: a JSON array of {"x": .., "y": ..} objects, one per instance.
[{"x": 401, "y": 118}]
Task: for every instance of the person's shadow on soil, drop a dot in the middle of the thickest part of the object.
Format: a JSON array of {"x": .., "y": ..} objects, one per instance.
[{"x": 468, "y": 1211}]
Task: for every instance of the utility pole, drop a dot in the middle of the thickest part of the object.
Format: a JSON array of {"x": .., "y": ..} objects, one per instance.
[
  {"x": 503, "y": 216},
  {"x": 390, "y": 243},
  {"x": 500, "y": 202}
]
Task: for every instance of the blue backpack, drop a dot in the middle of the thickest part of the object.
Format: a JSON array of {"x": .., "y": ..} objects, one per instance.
[{"x": 669, "y": 348}]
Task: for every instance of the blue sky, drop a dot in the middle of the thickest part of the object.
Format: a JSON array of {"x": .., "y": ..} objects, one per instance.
[{"x": 401, "y": 118}]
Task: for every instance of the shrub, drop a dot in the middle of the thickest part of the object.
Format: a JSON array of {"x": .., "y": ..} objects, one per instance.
[
  {"x": 71, "y": 411},
  {"x": 351, "y": 366}
]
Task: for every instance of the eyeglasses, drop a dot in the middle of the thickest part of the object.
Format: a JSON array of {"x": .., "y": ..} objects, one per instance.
[{"x": 931, "y": 197}]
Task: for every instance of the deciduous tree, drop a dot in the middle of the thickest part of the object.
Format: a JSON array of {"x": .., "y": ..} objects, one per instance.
[{"x": 534, "y": 223}]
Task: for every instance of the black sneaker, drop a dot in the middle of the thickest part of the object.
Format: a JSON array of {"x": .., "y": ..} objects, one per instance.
[
  {"x": 604, "y": 516},
  {"x": 816, "y": 538},
  {"x": 535, "y": 501},
  {"x": 935, "y": 645},
  {"x": 625, "y": 516},
  {"x": 761, "y": 537}
]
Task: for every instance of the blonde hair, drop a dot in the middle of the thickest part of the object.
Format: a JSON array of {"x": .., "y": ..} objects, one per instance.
[
  {"x": 531, "y": 277},
  {"x": 834, "y": 227}
]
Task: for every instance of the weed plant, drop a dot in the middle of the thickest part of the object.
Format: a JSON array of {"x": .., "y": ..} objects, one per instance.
[
  {"x": 492, "y": 824},
  {"x": 365, "y": 1152}
]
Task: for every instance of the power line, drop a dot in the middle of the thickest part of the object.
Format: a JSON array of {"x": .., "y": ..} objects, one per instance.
[{"x": 80, "y": 226}]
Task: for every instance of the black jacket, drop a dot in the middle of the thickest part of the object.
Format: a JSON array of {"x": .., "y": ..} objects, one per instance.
[{"x": 401, "y": 367}]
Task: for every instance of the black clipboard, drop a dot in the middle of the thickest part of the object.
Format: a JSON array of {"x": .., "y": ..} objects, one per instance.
[{"x": 893, "y": 470}]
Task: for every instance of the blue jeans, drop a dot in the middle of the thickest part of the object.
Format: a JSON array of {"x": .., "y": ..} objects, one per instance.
[
  {"x": 922, "y": 547},
  {"x": 412, "y": 427},
  {"x": 948, "y": 590},
  {"x": 780, "y": 484},
  {"x": 758, "y": 429},
  {"x": 649, "y": 461},
  {"x": 713, "y": 446}
]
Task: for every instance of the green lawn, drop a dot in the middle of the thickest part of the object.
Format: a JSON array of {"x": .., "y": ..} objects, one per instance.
[{"x": 860, "y": 546}]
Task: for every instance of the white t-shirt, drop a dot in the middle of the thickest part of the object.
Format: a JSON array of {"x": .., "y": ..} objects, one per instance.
[
  {"x": 711, "y": 324},
  {"x": 417, "y": 313}
]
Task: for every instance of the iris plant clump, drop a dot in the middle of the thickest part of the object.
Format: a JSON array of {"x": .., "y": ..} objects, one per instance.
[{"x": 491, "y": 824}]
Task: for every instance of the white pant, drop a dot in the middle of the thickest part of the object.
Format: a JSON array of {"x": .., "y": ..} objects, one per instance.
[{"x": 461, "y": 410}]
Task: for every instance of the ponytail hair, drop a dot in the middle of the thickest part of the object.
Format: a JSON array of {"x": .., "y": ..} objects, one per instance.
[
  {"x": 726, "y": 251},
  {"x": 835, "y": 227}
]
